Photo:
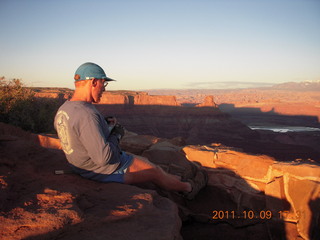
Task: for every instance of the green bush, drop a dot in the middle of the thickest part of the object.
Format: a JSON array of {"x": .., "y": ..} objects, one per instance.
[{"x": 20, "y": 107}]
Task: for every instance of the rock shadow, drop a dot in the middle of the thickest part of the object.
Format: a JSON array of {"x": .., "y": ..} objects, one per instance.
[
  {"x": 314, "y": 231},
  {"x": 230, "y": 208},
  {"x": 254, "y": 116}
]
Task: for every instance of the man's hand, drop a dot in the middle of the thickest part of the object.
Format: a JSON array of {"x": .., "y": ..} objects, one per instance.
[
  {"x": 118, "y": 130},
  {"x": 111, "y": 120}
]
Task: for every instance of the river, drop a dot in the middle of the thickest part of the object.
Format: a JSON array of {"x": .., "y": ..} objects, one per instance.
[{"x": 284, "y": 129}]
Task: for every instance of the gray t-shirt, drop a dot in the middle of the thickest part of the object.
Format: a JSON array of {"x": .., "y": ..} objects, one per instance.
[{"x": 86, "y": 140}]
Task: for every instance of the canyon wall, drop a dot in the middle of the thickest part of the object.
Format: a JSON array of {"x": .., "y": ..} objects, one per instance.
[
  {"x": 137, "y": 98},
  {"x": 202, "y": 125},
  {"x": 290, "y": 102}
]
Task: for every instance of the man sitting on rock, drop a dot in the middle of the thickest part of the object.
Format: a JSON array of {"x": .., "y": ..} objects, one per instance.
[{"x": 93, "y": 150}]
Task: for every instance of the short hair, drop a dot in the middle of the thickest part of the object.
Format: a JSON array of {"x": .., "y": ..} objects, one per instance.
[{"x": 81, "y": 83}]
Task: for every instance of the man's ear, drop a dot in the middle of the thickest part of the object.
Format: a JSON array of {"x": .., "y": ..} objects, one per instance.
[{"x": 94, "y": 82}]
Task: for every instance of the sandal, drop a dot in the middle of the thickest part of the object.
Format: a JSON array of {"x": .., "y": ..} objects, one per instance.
[{"x": 199, "y": 182}]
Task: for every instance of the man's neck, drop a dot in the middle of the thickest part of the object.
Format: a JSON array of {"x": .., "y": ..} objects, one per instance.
[{"x": 81, "y": 96}]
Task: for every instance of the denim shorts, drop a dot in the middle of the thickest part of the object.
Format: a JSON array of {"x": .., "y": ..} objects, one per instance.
[{"x": 118, "y": 175}]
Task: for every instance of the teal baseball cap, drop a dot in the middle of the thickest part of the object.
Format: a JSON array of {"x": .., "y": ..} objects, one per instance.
[{"x": 88, "y": 71}]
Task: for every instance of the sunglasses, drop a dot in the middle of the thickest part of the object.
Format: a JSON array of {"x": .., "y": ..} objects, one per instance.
[{"x": 105, "y": 83}]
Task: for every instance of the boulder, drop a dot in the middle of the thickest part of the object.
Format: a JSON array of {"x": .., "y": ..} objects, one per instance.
[
  {"x": 136, "y": 144},
  {"x": 170, "y": 158},
  {"x": 300, "y": 185}
]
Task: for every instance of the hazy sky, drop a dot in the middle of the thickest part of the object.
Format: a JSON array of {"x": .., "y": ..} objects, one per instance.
[{"x": 147, "y": 44}]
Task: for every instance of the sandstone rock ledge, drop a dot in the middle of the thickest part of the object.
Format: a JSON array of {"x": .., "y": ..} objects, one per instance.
[
  {"x": 37, "y": 204},
  {"x": 248, "y": 196},
  {"x": 290, "y": 191}
]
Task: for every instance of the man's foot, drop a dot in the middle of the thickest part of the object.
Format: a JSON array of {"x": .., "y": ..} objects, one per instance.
[
  {"x": 184, "y": 173},
  {"x": 197, "y": 183}
]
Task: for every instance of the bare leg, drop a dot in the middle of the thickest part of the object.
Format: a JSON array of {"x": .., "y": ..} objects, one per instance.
[{"x": 142, "y": 170}]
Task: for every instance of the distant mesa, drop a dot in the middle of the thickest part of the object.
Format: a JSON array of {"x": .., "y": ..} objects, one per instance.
[{"x": 300, "y": 86}]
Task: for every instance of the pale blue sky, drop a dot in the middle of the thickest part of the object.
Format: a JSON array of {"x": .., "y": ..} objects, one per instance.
[{"x": 147, "y": 44}]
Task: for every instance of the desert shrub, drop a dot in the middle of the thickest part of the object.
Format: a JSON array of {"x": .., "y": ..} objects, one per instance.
[{"x": 19, "y": 107}]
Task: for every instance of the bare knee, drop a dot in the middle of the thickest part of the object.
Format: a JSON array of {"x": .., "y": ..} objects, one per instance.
[{"x": 138, "y": 174}]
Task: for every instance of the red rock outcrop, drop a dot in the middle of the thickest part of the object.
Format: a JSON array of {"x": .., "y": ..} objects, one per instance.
[
  {"x": 208, "y": 102},
  {"x": 114, "y": 99},
  {"x": 56, "y": 93},
  {"x": 47, "y": 95},
  {"x": 8, "y": 132}
]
